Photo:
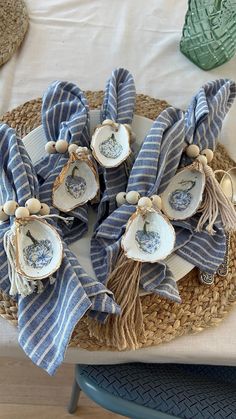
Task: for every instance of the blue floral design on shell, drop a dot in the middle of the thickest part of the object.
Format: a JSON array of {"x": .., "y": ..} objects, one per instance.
[
  {"x": 111, "y": 148},
  {"x": 148, "y": 241},
  {"x": 39, "y": 254},
  {"x": 180, "y": 199},
  {"x": 75, "y": 185}
]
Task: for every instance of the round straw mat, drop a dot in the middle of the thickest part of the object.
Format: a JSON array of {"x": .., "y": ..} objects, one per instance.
[
  {"x": 202, "y": 306},
  {"x": 13, "y": 26}
]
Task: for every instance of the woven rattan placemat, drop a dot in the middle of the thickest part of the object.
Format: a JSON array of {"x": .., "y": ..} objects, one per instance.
[
  {"x": 202, "y": 306},
  {"x": 14, "y": 23}
]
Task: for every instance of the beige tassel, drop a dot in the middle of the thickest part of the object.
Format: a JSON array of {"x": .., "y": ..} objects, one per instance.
[
  {"x": 124, "y": 331},
  {"x": 215, "y": 203}
]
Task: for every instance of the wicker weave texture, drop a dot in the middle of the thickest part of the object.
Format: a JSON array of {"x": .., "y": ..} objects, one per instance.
[
  {"x": 201, "y": 307},
  {"x": 14, "y": 23}
]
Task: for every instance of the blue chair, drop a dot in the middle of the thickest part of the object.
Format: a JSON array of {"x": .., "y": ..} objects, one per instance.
[{"x": 159, "y": 391}]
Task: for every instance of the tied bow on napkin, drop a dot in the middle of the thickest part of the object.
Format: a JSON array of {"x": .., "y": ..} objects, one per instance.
[{"x": 46, "y": 319}]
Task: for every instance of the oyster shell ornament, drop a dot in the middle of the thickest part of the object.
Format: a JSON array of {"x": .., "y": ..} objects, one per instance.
[
  {"x": 149, "y": 236},
  {"x": 195, "y": 188},
  {"x": 110, "y": 143},
  {"x": 38, "y": 248},
  {"x": 33, "y": 247},
  {"x": 78, "y": 181},
  {"x": 183, "y": 196}
]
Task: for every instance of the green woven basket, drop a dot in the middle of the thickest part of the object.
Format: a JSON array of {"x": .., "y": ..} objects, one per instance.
[{"x": 209, "y": 32}]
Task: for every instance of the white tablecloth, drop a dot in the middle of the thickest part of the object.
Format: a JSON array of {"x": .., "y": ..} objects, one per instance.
[{"x": 83, "y": 41}]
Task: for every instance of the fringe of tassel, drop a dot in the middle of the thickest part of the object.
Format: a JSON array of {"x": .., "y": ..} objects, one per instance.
[
  {"x": 215, "y": 203},
  {"x": 124, "y": 331}
]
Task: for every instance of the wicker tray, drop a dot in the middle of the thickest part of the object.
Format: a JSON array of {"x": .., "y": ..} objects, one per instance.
[{"x": 202, "y": 306}]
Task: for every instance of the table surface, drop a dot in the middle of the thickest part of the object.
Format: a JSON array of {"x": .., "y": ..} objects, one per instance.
[{"x": 83, "y": 42}]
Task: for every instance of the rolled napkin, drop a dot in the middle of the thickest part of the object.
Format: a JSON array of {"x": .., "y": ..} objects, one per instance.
[
  {"x": 46, "y": 318},
  {"x": 158, "y": 160},
  {"x": 65, "y": 116},
  {"x": 156, "y": 163},
  {"x": 118, "y": 106},
  {"x": 203, "y": 122}
]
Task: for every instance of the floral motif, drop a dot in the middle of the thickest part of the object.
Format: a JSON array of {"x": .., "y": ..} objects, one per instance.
[
  {"x": 39, "y": 254},
  {"x": 111, "y": 148},
  {"x": 180, "y": 199},
  {"x": 148, "y": 241},
  {"x": 75, "y": 185}
]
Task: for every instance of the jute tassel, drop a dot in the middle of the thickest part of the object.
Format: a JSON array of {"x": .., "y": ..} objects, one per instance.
[
  {"x": 124, "y": 331},
  {"x": 215, "y": 203}
]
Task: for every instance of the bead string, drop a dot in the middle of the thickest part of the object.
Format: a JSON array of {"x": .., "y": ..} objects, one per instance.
[{"x": 32, "y": 206}]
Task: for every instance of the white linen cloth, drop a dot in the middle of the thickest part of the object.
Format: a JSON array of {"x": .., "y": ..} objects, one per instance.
[{"x": 82, "y": 42}]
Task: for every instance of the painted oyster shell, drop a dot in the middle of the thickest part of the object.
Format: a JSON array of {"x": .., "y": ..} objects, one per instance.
[
  {"x": 149, "y": 236},
  {"x": 111, "y": 145},
  {"x": 183, "y": 195},
  {"x": 39, "y": 248},
  {"x": 77, "y": 183}
]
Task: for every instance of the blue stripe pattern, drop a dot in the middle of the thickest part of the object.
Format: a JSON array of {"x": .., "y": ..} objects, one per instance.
[
  {"x": 46, "y": 320},
  {"x": 203, "y": 123},
  {"x": 159, "y": 157},
  {"x": 154, "y": 166},
  {"x": 65, "y": 115},
  {"x": 118, "y": 105}
]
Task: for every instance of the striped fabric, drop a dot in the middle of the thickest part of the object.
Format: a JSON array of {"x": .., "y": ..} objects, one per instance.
[
  {"x": 154, "y": 166},
  {"x": 46, "y": 320},
  {"x": 157, "y": 161},
  {"x": 65, "y": 115},
  {"x": 203, "y": 122},
  {"x": 118, "y": 105}
]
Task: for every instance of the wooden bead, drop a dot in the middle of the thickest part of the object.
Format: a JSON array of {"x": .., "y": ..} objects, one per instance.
[
  {"x": 156, "y": 201},
  {"x": 192, "y": 151},
  {"x": 120, "y": 198},
  {"x": 132, "y": 197},
  {"x": 33, "y": 205},
  {"x": 61, "y": 146},
  {"x": 202, "y": 159},
  {"x": 50, "y": 147},
  {"x": 44, "y": 210},
  {"x": 3, "y": 216},
  {"x": 107, "y": 122},
  {"x": 22, "y": 212},
  {"x": 145, "y": 202},
  {"x": 9, "y": 207},
  {"x": 72, "y": 148},
  {"x": 208, "y": 153}
]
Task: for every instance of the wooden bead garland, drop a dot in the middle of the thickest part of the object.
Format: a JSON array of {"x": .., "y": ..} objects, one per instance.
[
  {"x": 32, "y": 206},
  {"x": 133, "y": 198}
]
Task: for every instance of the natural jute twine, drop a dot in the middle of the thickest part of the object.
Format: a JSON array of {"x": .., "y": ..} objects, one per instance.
[
  {"x": 14, "y": 23},
  {"x": 202, "y": 306}
]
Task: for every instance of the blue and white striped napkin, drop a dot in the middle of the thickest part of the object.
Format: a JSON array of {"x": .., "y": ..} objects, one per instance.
[
  {"x": 203, "y": 123},
  {"x": 156, "y": 163},
  {"x": 65, "y": 115},
  {"x": 47, "y": 319},
  {"x": 118, "y": 105}
]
